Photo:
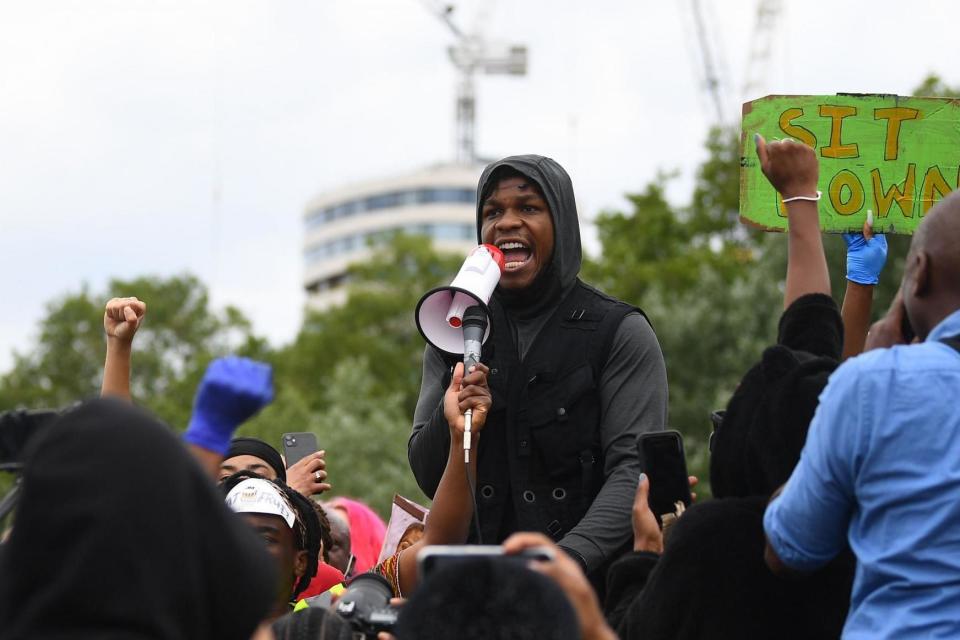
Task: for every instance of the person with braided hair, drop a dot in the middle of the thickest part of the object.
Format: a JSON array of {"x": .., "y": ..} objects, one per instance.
[{"x": 288, "y": 524}]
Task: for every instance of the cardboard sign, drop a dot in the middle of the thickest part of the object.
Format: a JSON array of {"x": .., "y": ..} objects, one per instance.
[{"x": 893, "y": 155}]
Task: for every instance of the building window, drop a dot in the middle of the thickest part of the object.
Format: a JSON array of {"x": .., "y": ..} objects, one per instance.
[
  {"x": 392, "y": 199},
  {"x": 451, "y": 231}
]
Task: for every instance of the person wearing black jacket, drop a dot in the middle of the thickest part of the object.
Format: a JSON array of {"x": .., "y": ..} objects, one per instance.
[
  {"x": 575, "y": 376},
  {"x": 121, "y": 534},
  {"x": 709, "y": 579}
]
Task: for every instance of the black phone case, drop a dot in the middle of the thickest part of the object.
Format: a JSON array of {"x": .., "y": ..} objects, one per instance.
[{"x": 668, "y": 477}]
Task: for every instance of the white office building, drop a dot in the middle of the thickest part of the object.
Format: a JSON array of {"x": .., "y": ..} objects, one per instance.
[{"x": 341, "y": 225}]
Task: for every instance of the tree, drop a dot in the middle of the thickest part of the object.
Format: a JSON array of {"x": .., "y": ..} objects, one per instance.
[
  {"x": 352, "y": 375},
  {"x": 375, "y": 324},
  {"x": 364, "y": 433},
  {"x": 933, "y": 86},
  {"x": 710, "y": 286},
  {"x": 179, "y": 337}
]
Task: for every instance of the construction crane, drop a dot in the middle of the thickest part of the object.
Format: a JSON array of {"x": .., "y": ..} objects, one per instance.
[
  {"x": 761, "y": 47},
  {"x": 470, "y": 55},
  {"x": 710, "y": 67},
  {"x": 710, "y": 63}
]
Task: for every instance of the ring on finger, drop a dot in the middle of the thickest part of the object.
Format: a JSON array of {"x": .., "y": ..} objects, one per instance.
[{"x": 316, "y": 474}]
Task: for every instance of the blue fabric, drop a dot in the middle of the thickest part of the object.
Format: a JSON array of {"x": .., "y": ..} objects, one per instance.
[
  {"x": 232, "y": 390},
  {"x": 880, "y": 470}
]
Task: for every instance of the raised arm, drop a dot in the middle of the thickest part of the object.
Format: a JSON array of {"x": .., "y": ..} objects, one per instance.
[
  {"x": 121, "y": 319},
  {"x": 792, "y": 169},
  {"x": 450, "y": 516},
  {"x": 866, "y": 255}
]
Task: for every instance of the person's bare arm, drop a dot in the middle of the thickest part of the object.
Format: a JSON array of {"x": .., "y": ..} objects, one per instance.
[
  {"x": 770, "y": 557},
  {"x": 866, "y": 255},
  {"x": 121, "y": 319},
  {"x": 792, "y": 169},
  {"x": 209, "y": 460},
  {"x": 450, "y": 516},
  {"x": 857, "y": 303}
]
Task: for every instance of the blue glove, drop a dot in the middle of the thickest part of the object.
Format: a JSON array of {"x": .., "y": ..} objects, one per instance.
[
  {"x": 232, "y": 390},
  {"x": 865, "y": 258}
]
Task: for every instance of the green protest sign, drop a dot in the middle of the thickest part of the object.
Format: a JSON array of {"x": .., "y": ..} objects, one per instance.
[{"x": 890, "y": 154}]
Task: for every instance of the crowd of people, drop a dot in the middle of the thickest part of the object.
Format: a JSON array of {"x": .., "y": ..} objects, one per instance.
[{"x": 832, "y": 470}]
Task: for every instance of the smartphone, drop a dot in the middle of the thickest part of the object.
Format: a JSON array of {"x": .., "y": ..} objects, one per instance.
[
  {"x": 433, "y": 557},
  {"x": 661, "y": 458},
  {"x": 297, "y": 446}
]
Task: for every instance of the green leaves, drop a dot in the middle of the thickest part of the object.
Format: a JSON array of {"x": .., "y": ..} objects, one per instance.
[{"x": 177, "y": 339}]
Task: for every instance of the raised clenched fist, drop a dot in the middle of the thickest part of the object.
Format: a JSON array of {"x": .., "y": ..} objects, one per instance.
[{"x": 122, "y": 318}]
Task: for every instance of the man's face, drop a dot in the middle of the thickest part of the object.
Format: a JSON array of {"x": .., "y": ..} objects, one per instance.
[
  {"x": 340, "y": 532},
  {"x": 281, "y": 545},
  {"x": 517, "y": 220},
  {"x": 246, "y": 463}
]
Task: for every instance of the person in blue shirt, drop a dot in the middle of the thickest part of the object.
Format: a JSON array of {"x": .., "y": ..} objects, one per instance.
[{"x": 880, "y": 469}]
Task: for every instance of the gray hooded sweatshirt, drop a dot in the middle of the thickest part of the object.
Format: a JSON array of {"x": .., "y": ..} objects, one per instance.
[{"x": 632, "y": 387}]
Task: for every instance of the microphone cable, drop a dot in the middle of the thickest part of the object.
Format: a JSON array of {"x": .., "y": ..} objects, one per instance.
[{"x": 473, "y": 500}]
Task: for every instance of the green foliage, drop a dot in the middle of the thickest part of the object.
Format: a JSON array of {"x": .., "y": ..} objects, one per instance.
[
  {"x": 364, "y": 433},
  {"x": 352, "y": 375},
  {"x": 176, "y": 341},
  {"x": 711, "y": 288},
  {"x": 376, "y": 323},
  {"x": 933, "y": 86}
]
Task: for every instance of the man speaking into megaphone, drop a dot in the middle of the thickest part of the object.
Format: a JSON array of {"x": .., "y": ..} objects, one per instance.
[{"x": 575, "y": 376}]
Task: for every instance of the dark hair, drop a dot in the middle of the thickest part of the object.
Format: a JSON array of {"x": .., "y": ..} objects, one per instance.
[
  {"x": 306, "y": 533},
  {"x": 518, "y": 604},
  {"x": 315, "y": 623},
  {"x": 326, "y": 538},
  {"x": 505, "y": 172}
]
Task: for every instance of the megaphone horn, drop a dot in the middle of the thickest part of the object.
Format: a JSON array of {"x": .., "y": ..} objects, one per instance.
[{"x": 439, "y": 313}]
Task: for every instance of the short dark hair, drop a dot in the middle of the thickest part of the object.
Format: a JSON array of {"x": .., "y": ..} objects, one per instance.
[
  {"x": 326, "y": 538},
  {"x": 306, "y": 532},
  {"x": 505, "y": 172},
  {"x": 518, "y": 604}
]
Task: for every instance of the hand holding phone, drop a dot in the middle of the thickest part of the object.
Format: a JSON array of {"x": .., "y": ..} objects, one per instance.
[
  {"x": 662, "y": 460},
  {"x": 436, "y": 556},
  {"x": 306, "y": 466}
]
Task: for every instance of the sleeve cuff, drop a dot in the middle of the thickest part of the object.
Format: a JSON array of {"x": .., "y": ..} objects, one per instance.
[
  {"x": 583, "y": 550},
  {"x": 789, "y": 554}
]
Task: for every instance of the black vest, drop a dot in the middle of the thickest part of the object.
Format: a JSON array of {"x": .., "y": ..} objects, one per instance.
[{"x": 540, "y": 463}]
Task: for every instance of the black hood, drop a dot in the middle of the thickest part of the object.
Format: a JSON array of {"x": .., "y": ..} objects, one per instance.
[
  {"x": 564, "y": 266},
  {"x": 120, "y": 534}
]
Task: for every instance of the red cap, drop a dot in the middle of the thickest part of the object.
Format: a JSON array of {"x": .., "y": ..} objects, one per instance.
[{"x": 496, "y": 253}]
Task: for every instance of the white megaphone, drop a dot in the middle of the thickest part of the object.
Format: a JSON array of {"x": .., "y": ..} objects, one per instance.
[{"x": 439, "y": 313}]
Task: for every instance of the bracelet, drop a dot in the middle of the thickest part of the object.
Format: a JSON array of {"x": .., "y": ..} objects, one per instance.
[{"x": 807, "y": 198}]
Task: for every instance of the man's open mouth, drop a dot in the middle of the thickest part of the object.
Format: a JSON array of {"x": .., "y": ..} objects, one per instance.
[{"x": 515, "y": 255}]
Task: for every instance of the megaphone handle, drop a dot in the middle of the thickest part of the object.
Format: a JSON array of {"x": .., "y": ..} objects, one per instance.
[{"x": 467, "y": 425}]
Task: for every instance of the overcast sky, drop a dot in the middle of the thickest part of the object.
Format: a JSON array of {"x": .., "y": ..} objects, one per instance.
[{"x": 166, "y": 136}]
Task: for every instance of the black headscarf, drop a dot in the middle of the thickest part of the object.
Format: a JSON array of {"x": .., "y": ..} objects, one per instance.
[
  {"x": 766, "y": 422},
  {"x": 120, "y": 534},
  {"x": 244, "y": 446},
  {"x": 560, "y": 275}
]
